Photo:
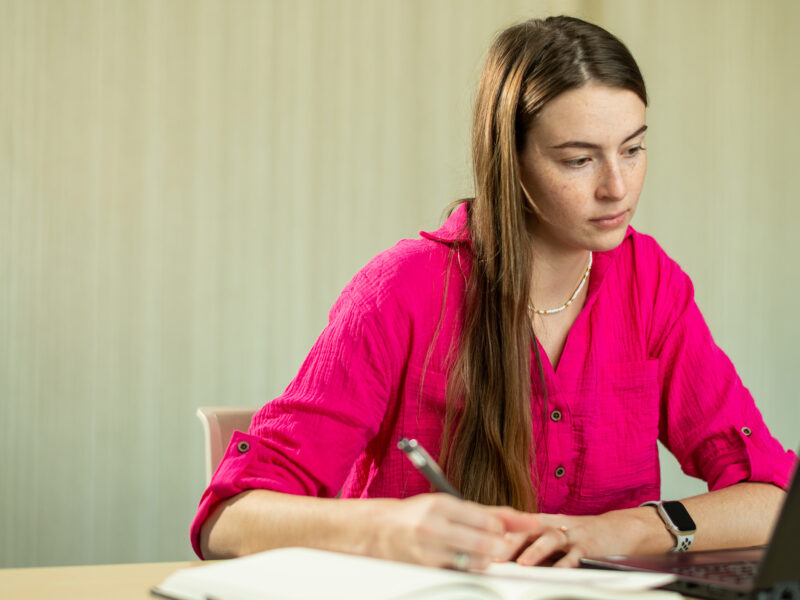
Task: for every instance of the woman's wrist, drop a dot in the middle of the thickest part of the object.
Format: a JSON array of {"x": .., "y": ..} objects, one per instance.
[
  {"x": 367, "y": 534},
  {"x": 650, "y": 536}
]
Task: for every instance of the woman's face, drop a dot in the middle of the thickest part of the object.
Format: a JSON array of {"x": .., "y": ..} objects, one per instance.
[{"x": 583, "y": 165}]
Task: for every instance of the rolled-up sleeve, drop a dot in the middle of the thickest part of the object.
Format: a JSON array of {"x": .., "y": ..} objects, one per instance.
[
  {"x": 709, "y": 419},
  {"x": 305, "y": 441}
]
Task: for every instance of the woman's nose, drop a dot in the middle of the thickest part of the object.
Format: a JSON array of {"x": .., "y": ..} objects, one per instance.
[{"x": 612, "y": 185}]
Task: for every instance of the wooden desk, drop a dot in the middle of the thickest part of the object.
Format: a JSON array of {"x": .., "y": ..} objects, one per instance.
[{"x": 94, "y": 582}]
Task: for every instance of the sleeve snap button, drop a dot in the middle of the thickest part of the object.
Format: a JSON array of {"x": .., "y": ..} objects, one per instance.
[
  {"x": 746, "y": 431},
  {"x": 556, "y": 415},
  {"x": 243, "y": 447},
  {"x": 560, "y": 472}
]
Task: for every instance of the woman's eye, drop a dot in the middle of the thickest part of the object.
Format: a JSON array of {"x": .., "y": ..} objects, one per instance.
[
  {"x": 576, "y": 162},
  {"x": 634, "y": 150}
]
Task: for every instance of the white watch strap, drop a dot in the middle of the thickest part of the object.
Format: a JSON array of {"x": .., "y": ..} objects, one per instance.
[{"x": 684, "y": 542}]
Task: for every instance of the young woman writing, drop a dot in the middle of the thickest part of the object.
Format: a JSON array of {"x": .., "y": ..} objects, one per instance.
[{"x": 537, "y": 344}]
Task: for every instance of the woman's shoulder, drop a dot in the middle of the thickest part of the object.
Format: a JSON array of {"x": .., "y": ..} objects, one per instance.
[
  {"x": 641, "y": 244},
  {"x": 645, "y": 257},
  {"x": 407, "y": 262},
  {"x": 413, "y": 273},
  {"x": 645, "y": 265}
]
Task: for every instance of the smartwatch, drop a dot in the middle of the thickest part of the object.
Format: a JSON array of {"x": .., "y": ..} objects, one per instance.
[{"x": 678, "y": 522}]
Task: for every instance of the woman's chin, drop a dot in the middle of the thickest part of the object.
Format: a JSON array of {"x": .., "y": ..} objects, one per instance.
[{"x": 608, "y": 240}]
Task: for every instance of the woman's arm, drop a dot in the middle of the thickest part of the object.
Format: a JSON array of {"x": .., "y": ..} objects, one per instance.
[
  {"x": 743, "y": 514},
  {"x": 430, "y": 529}
]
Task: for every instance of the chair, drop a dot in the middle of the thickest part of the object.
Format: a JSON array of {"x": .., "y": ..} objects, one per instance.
[{"x": 219, "y": 423}]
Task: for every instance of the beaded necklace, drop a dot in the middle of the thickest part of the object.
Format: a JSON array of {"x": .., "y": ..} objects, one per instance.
[{"x": 552, "y": 311}]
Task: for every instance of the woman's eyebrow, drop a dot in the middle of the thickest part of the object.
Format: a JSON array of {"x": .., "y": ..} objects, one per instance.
[{"x": 577, "y": 144}]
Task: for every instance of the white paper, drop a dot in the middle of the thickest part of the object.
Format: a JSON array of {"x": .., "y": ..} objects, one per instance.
[
  {"x": 623, "y": 581},
  {"x": 304, "y": 574}
]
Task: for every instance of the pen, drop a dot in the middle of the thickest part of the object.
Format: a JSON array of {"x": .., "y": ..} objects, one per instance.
[{"x": 420, "y": 458}]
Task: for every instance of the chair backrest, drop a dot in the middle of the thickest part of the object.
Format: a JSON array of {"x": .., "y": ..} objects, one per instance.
[{"x": 219, "y": 423}]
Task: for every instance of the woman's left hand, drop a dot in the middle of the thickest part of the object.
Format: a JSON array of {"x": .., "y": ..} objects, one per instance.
[{"x": 563, "y": 540}]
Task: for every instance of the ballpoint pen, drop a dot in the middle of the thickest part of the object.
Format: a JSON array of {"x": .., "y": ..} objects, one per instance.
[{"x": 420, "y": 458}]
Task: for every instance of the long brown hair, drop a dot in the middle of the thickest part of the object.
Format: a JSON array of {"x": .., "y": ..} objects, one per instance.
[{"x": 487, "y": 444}]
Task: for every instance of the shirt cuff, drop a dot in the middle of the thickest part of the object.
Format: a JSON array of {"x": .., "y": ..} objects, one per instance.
[
  {"x": 246, "y": 465},
  {"x": 750, "y": 455}
]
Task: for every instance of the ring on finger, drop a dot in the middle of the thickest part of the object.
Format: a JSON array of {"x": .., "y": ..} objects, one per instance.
[{"x": 461, "y": 561}]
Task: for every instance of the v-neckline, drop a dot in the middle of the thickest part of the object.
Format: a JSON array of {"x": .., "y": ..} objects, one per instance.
[
  {"x": 564, "y": 372},
  {"x": 559, "y": 371},
  {"x": 551, "y": 370}
]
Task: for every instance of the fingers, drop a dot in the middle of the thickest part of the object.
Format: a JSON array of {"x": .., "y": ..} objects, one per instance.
[
  {"x": 572, "y": 558},
  {"x": 440, "y": 530},
  {"x": 472, "y": 515},
  {"x": 448, "y": 532},
  {"x": 516, "y": 521},
  {"x": 474, "y": 531},
  {"x": 476, "y": 542},
  {"x": 453, "y": 533},
  {"x": 539, "y": 538},
  {"x": 550, "y": 541},
  {"x": 517, "y": 543},
  {"x": 449, "y": 559}
]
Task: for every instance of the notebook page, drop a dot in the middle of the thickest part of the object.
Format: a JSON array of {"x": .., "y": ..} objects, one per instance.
[{"x": 304, "y": 574}]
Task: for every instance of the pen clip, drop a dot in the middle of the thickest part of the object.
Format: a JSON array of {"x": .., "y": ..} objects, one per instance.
[{"x": 423, "y": 462}]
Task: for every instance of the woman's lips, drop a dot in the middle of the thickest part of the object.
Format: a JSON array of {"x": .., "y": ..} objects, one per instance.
[{"x": 610, "y": 221}]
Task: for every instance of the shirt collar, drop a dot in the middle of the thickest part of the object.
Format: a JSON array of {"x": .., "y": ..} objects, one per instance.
[{"x": 454, "y": 230}]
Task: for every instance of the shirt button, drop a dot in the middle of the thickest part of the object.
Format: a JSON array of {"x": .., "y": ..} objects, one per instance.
[
  {"x": 555, "y": 415},
  {"x": 559, "y": 472},
  {"x": 243, "y": 447},
  {"x": 746, "y": 431}
]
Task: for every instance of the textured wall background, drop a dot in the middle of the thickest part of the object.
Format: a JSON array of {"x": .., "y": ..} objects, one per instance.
[{"x": 185, "y": 187}]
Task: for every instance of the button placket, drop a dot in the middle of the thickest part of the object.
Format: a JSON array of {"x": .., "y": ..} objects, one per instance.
[{"x": 556, "y": 416}]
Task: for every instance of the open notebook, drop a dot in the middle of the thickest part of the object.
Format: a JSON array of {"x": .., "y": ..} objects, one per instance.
[{"x": 304, "y": 574}]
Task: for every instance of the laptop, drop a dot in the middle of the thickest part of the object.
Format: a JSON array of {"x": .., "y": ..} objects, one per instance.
[{"x": 770, "y": 572}]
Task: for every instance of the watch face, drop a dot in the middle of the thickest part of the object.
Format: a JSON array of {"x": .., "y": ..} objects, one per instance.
[{"x": 679, "y": 516}]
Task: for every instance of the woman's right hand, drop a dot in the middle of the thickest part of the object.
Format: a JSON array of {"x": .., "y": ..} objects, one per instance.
[
  {"x": 442, "y": 531},
  {"x": 430, "y": 529}
]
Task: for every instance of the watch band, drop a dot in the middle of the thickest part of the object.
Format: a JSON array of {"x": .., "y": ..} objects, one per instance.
[{"x": 678, "y": 522}]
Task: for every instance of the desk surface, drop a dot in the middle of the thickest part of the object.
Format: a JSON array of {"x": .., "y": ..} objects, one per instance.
[{"x": 93, "y": 582}]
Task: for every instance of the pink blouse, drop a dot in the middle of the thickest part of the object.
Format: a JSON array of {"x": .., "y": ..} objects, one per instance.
[{"x": 639, "y": 365}]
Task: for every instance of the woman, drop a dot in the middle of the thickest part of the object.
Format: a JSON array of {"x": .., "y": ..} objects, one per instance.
[{"x": 536, "y": 343}]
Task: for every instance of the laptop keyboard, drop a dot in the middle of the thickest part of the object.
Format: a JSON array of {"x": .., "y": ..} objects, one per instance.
[{"x": 732, "y": 572}]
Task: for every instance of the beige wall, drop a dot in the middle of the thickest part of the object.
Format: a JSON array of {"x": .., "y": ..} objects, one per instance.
[{"x": 186, "y": 186}]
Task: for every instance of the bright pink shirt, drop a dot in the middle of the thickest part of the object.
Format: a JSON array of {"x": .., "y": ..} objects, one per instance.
[{"x": 639, "y": 365}]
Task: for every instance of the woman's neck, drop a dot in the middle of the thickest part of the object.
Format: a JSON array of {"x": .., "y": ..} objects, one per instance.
[{"x": 557, "y": 271}]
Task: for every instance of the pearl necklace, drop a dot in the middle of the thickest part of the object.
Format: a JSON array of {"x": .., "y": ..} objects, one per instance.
[{"x": 552, "y": 311}]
